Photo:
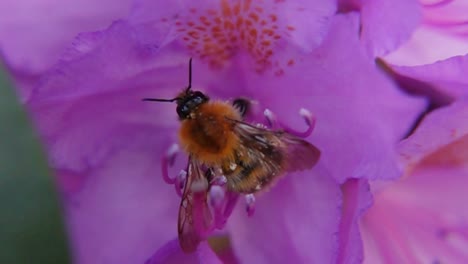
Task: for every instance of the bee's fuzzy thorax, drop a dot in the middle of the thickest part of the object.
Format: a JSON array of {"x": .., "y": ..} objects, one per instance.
[{"x": 208, "y": 135}]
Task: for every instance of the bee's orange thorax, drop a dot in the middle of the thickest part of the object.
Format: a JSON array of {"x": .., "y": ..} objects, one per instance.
[{"x": 208, "y": 135}]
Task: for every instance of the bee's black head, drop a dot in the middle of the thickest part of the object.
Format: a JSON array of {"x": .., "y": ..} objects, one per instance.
[{"x": 187, "y": 101}]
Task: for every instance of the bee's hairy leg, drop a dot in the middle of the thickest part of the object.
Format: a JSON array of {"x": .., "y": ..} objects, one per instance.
[
  {"x": 167, "y": 161},
  {"x": 250, "y": 204},
  {"x": 243, "y": 105}
]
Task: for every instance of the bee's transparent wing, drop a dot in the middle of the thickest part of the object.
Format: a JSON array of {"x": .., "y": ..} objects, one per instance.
[
  {"x": 194, "y": 215},
  {"x": 298, "y": 153}
]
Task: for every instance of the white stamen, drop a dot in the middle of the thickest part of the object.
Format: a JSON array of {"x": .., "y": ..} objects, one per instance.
[
  {"x": 305, "y": 113},
  {"x": 173, "y": 149},
  {"x": 216, "y": 195}
]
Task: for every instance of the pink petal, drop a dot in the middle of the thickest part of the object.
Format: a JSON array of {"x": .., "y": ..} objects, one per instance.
[
  {"x": 385, "y": 24},
  {"x": 443, "y": 81},
  {"x": 171, "y": 253},
  {"x": 216, "y": 31},
  {"x": 440, "y": 128},
  {"x": 33, "y": 34},
  {"x": 422, "y": 218},
  {"x": 123, "y": 209},
  {"x": 357, "y": 198},
  {"x": 295, "y": 222},
  {"x": 441, "y": 35},
  {"x": 361, "y": 114},
  {"x": 428, "y": 45}
]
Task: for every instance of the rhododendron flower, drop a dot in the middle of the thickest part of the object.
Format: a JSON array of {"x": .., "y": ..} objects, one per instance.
[
  {"x": 107, "y": 146},
  {"x": 441, "y": 34},
  {"x": 422, "y": 218}
]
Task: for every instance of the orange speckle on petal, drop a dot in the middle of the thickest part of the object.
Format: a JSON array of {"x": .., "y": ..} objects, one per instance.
[
  {"x": 268, "y": 32},
  {"x": 265, "y": 43},
  {"x": 291, "y": 62},
  {"x": 254, "y": 16},
  {"x": 239, "y": 22},
  {"x": 273, "y": 17},
  {"x": 190, "y": 24},
  {"x": 291, "y": 28},
  {"x": 193, "y": 34},
  {"x": 247, "y": 4},
  {"x": 236, "y": 9},
  {"x": 253, "y": 33},
  {"x": 225, "y": 8},
  {"x": 228, "y": 25}
]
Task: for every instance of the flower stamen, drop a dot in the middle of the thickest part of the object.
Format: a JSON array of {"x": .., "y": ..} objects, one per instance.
[
  {"x": 168, "y": 161},
  {"x": 309, "y": 119},
  {"x": 250, "y": 204}
]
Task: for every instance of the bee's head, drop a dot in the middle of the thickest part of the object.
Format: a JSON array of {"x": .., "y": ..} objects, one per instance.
[{"x": 187, "y": 101}]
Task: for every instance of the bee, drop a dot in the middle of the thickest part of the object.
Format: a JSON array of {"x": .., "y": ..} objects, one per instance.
[{"x": 218, "y": 141}]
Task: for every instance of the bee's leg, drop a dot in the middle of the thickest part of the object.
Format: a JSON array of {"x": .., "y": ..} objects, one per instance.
[
  {"x": 167, "y": 161},
  {"x": 250, "y": 204},
  {"x": 242, "y": 105}
]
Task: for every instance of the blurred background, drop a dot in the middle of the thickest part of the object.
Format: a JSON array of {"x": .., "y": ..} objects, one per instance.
[{"x": 31, "y": 226}]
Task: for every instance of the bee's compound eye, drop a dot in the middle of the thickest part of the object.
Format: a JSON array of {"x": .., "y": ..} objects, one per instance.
[{"x": 183, "y": 111}]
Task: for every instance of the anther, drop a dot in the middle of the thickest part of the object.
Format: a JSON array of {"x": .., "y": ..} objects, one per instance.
[
  {"x": 250, "y": 204},
  {"x": 309, "y": 119},
  {"x": 167, "y": 161},
  {"x": 216, "y": 196},
  {"x": 180, "y": 182},
  {"x": 217, "y": 201},
  {"x": 270, "y": 117},
  {"x": 219, "y": 180}
]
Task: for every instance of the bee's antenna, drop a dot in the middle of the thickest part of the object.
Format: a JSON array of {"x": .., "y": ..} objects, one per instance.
[
  {"x": 160, "y": 100},
  {"x": 189, "y": 76},
  {"x": 176, "y": 98}
]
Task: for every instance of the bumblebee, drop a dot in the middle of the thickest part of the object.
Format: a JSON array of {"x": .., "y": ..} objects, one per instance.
[{"x": 218, "y": 140}]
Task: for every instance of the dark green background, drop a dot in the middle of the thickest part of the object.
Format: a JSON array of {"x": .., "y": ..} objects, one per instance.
[{"x": 31, "y": 227}]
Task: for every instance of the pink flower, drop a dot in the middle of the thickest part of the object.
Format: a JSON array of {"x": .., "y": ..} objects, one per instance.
[
  {"x": 106, "y": 145},
  {"x": 422, "y": 218},
  {"x": 441, "y": 34}
]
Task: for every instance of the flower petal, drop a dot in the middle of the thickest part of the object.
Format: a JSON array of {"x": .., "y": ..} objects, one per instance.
[
  {"x": 33, "y": 34},
  {"x": 385, "y": 24},
  {"x": 357, "y": 198},
  {"x": 440, "y": 128},
  {"x": 443, "y": 81},
  {"x": 296, "y": 221},
  {"x": 422, "y": 218},
  {"x": 123, "y": 209},
  {"x": 361, "y": 114},
  {"x": 218, "y": 30},
  {"x": 171, "y": 253}
]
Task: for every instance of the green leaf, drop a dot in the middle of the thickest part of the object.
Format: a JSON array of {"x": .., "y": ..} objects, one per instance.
[{"x": 31, "y": 223}]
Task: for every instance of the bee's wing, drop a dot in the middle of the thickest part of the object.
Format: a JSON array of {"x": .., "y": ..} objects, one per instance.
[
  {"x": 301, "y": 155},
  {"x": 275, "y": 148},
  {"x": 193, "y": 208}
]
